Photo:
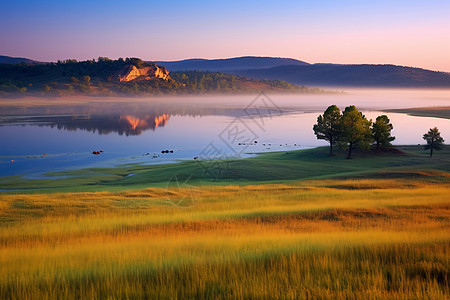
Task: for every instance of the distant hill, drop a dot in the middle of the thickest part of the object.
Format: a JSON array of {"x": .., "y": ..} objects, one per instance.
[
  {"x": 353, "y": 75},
  {"x": 16, "y": 60},
  {"x": 130, "y": 76},
  {"x": 230, "y": 64},
  {"x": 302, "y": 73},
  {"x": 251, "y": 73}
]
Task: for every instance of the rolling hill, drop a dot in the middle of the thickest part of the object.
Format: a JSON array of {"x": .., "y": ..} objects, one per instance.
[
  {"x": 299, "y": 72},
  {"x": 130, "y": 76},
  {"x": 353, "y": 75},
  {"x": 329, "y": 75},
  {"x": 230, "y": 64}
]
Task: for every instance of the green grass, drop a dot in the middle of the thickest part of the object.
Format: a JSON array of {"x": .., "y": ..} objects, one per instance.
[{"x": 409, "y": 161}]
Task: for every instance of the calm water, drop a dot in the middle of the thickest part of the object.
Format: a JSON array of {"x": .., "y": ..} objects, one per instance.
[{"x": 43, "y": 138}]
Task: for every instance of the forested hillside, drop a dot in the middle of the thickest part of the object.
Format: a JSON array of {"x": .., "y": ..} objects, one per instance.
[{"x": 130, "y": 76}]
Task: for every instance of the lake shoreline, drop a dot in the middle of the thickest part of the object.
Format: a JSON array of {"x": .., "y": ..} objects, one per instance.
[
  {"x": 83, "y": 132},
  {"x": 271, "y": 167},
  {"x": 432, "y": 111}
]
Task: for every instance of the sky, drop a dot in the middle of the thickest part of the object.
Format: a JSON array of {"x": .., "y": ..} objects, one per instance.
[{"x": 408, "y": 33}]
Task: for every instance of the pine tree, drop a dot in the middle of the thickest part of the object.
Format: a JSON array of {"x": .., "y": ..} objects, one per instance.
[
  {"x": 356, "y": 130},
  {"x": 328, "y": 126},
  {"x": 381, "y": 132},
  {"x": 434, "y": 140}
]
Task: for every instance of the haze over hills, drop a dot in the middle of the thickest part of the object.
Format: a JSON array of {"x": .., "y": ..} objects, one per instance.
[
  {"x": 353, "y": 75},
  {"x": 299, "y": 72},
  {"x": 230, "y": 64}
]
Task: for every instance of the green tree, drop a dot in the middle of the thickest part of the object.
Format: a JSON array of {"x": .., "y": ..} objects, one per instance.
[
  {"x": 434, "y": 140},
  {"x": 328, "y": 126},
  {"x": 86, "y": 79},
  {"x": 381, "y": 132},
  {"x": 356, "y": 130}
]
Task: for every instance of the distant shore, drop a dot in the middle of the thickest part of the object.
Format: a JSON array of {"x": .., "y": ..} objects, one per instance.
[{"x": 434, "y": 111}]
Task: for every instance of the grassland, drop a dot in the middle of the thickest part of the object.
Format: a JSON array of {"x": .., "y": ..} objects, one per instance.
[
  {"x": 324, "y": 239},
  {"x": 279, "y": 167},
  {"x": 283, "y": 225}
]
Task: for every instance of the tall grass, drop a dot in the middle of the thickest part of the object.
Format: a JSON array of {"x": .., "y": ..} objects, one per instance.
[{"x": 357, "y": 239}]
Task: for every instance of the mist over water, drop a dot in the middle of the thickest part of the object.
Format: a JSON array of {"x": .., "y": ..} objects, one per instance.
[{"x": 136, "y": 130}]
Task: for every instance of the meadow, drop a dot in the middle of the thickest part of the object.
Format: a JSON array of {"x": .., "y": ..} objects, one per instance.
[
  {"x": 371, "y": 232},
  {"x": 276, "y": 167}
]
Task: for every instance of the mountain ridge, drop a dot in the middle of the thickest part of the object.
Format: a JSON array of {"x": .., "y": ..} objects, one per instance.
[
  {"x": 320, "y": 74},
  {"x": 130, "y": 76},
  {"x": 229, "y": 64},
  {"x": 302, "y": 73},
  {"x": 354, "y": 75}
]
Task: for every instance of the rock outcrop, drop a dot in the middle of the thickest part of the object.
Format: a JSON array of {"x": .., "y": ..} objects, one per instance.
[{"x": 131, "y": 72}]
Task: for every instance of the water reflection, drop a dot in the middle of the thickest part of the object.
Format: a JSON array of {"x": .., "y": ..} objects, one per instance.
[
  {"x": 133, "y": 116},
  {"x": 105, "y": 124},
  {"x": 128, "y": 119}
]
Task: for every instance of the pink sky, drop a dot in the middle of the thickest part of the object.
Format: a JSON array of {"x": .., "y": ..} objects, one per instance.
[{"x": 409, "y": 33}]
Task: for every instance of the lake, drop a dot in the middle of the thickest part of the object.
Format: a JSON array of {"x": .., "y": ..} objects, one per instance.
[{"x": 45, "y": 135}]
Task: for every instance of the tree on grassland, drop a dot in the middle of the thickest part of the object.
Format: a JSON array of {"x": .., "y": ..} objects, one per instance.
[
  {"x": 328, "y": 126},
  {"x": 356, "y": 130},
  {"x": 381, "y": 132},
  {"x": 434, "y": 140}
]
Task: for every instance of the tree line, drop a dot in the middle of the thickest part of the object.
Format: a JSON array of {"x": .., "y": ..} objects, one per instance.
[
  {"x": 351, "y": 129},
  {"x": 207, "y": 82},
  {"x": 99, "y": 77}
]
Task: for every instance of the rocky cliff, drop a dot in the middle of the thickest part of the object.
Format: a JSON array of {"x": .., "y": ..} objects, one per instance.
[{"x": 131, "y": 72}]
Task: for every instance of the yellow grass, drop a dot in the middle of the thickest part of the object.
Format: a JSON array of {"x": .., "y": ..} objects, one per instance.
[{"x": 322, "y": 239}]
